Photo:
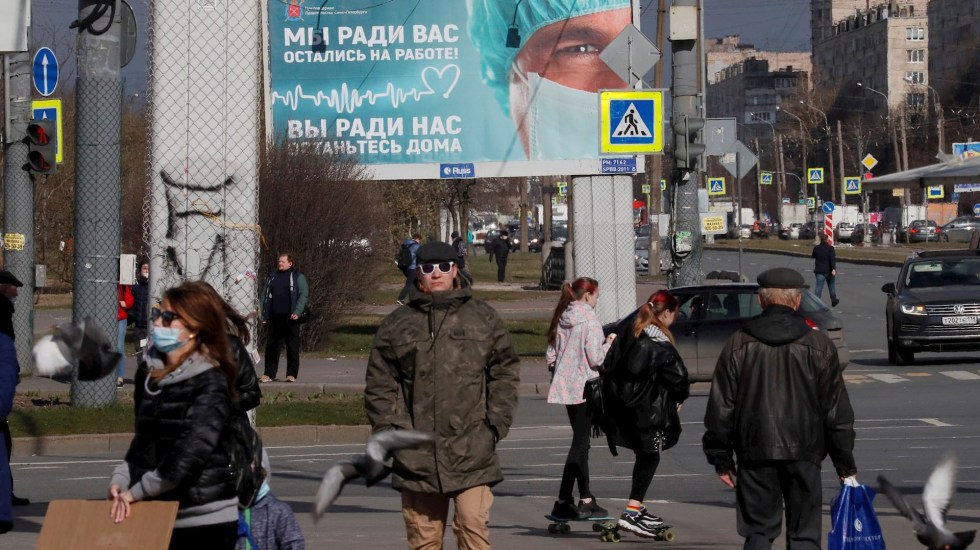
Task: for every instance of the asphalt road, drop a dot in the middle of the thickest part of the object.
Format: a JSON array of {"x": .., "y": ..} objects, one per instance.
[{"x": 907, "y": 419}]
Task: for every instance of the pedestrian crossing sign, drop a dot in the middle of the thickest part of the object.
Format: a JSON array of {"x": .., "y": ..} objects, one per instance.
[
  {"x": 663, "y": 185},
  {"x": 631, "y": 122},
  {"x": 645, "y": 188},
  {"x": 716, "y": 186},
  {"x": 814, "y": 175},
  {"x": 852, "y": 186},
  {"x": 765, "y": 178},
  {"x": 811, "y": 203},
  {"x": 935, "y": 192}
]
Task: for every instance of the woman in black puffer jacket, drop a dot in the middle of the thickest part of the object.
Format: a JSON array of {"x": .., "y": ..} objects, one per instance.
[
  {"x": 183, "y": 435},
  {"x": 644, "y": 384}
]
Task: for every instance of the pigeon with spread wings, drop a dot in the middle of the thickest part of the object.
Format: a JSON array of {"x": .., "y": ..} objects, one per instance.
[
  {"x": 82, "y": 345},
  {"x": 930, "y": 527},
  {"x": 370, "y": 465}
]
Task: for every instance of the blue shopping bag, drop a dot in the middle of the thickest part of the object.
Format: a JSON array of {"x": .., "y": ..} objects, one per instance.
[{"x": 854, "y": 525}]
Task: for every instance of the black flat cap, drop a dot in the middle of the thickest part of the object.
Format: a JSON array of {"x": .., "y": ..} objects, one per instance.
[
  {"x": 781, "y": 277},
  {"x": 435, "y": 252},
  {"x": 7, "y": 278}
]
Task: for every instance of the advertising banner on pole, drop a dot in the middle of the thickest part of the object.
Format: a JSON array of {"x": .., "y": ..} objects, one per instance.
[{"x": 509, "y": 87}]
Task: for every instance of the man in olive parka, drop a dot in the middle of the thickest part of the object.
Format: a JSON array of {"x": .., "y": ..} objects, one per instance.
[{"x": 444, "y": 364}]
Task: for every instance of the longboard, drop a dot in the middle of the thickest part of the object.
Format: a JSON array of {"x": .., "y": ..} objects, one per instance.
[{"x": 607, "y": 527}]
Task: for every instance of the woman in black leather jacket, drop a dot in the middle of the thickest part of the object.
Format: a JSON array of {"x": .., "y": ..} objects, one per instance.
[
  {"x": 183, "y": 438},
  {"x": 643, "y": 388}
]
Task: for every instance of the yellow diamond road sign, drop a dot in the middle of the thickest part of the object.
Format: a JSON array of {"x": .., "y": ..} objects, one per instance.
[
  {"x": 631, "y": 122},
  {"x": 869, "y": 161}
]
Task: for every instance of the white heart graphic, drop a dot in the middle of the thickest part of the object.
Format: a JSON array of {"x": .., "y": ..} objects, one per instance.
[{"x": 439, "y": 77}]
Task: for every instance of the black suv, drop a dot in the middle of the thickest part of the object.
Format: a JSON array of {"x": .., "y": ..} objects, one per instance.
[{"x": 934, "y": 305}]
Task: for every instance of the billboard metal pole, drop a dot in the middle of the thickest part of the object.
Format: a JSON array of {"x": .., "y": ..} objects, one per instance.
[{"x": 18, "y": 201}]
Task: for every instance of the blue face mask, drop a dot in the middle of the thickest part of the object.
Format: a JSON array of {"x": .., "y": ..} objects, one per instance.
[
  {"x": 263, "y": 490},
  {"x": 167, "y": 339},
  {"x": 553, "y": 134}
]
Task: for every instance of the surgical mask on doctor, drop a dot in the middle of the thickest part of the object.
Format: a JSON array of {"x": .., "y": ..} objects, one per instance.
[
  {"x": 167, "y": 339},
  {"x": 564, "y": 122}
]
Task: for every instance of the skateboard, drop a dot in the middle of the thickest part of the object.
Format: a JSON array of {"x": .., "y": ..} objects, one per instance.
[{"x": 607, "y": 527}]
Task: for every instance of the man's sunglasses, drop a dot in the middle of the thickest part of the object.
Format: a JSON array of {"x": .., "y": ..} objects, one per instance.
[
  {"x": 444, "y": 267},
  {"x": 167, "y": 316}
]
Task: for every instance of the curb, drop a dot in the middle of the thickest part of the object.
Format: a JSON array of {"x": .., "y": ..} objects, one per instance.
[{"x": 777, "y": 252}]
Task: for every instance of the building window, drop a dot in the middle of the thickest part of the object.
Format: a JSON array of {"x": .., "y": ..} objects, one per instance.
[
  {"x": 915, "y": 100},
  {"x": 915, "y": 77},
  {"x": 915, "y": 33},
  {"x": 916, "y": 56}
]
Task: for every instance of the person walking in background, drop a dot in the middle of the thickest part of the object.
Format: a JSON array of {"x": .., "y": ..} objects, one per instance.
[
  {"x": 141, "y": 309},
  {"x": 9, "y": 285},
  {"x": 644, "y": 385},
  {"x": 407, "y": 263},
  {"x": 184, "y": 436},
  {"x": 576, "y": 349},
  {"x": 461, "y": 252},
  {"x": 444, "y": 364},
  {"x": 825, "y": 268},
  {"x": 499, "y": 251},
  {"x": 285, "y": 297},
  {"x": 779, "y": 405},
  {"x": 126, "y": 300}
]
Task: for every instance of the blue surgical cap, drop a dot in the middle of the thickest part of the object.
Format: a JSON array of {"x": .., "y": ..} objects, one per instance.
[{"x": 491, "y": 19}]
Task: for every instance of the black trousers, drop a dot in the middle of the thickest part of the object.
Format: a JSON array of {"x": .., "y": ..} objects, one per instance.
[
  {"x": 282, "y": 329},
  {"x": 644, "y": 468},
  {"x": 410, "y": 277},
  {"x": 501, "y": 268},
  {"x": 761, "y": 492},
  {"x": 577, "y": 462},
  {"x": 5, "y": 428}
]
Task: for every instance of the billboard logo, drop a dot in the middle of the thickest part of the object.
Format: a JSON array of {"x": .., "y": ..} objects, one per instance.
[
  {"x": 294, "y": 10},
  {"x": 451, "y": 171}
]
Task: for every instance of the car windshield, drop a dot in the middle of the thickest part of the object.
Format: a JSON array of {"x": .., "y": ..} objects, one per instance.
[
  {"x": 642, "y": 244},
  {"x": 943, "y": 272}
]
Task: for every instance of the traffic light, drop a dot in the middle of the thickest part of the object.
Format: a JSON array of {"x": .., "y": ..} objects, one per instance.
[
  {"x": 42, "y": 143},
  {"x": 687, "y": 150}
]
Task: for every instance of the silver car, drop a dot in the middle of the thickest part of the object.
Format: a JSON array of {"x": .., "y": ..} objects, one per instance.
[
  {"x": 959, "y": 230},
  {"x": 641, "y": 253}
]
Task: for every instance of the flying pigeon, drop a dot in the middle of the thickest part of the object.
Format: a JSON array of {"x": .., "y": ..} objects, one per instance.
[
  {"x": 80, "y": 345},
  {"x": 930, "y": 528},
  {"x": 370, "y": 465}
]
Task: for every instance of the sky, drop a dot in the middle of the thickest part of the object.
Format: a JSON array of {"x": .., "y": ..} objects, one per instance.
[{"x": 781, "y": 25}]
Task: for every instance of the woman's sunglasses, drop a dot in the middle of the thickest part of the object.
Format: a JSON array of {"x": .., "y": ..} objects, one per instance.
[
  {"x": 167, "y": 316},
  {"x": 444, "y": 267}
]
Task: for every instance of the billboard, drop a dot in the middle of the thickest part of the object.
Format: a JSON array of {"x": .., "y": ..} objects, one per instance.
[{"x": 427, "y": 89}]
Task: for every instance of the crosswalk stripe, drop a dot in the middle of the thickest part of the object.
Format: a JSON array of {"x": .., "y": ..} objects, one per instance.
[
  {"x": 961, "y": 375},
  {"x": 888, "y": 378}
]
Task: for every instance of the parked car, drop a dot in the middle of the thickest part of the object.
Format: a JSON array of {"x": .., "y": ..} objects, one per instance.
[
  {"x": 857, "y": 234},
  {"x": 920, "y": 231},
  {"x": 843, "y": 231},
  {"x": 533, "y": 240},
  {"x": 760, "y": 230},
  {"x": 791, "y": 231},
  {"x": 934, "y": 305},
  {"x": 710, "y": 313},
  {"x": 743, "y": 231},
  {"x": 959, "y": 230},
  {"x": 809, "y": 230},
  {"x": 642, "y": 231},
  {"x": 641, "y": 253}
]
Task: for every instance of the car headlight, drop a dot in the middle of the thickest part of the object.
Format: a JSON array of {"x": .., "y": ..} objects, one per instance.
[{"x": 913, "y": 309}]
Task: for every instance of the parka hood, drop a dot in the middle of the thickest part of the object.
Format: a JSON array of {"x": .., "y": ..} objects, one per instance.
[{"x": 777, "y": 325}]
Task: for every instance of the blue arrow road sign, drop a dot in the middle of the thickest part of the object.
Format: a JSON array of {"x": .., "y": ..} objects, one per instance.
[
  {"x": 828, "y": 207},
  {"x": 45, "y": 69}
]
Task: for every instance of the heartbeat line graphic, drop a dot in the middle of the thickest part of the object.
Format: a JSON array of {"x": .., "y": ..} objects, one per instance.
[{"x": 346, "y": 99}]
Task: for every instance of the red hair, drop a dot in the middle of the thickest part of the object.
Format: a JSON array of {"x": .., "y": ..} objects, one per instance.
[
  {"x": 570, "y": 292},
  {"x": 650, "y": 312}
]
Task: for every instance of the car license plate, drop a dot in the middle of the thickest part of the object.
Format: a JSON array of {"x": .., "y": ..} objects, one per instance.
[{"x": 961, "y": 320}]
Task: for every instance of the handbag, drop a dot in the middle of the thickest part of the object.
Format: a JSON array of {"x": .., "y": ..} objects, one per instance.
[
  {"x": 854, "y": 524},
  {"x": 593, "y": 400}
]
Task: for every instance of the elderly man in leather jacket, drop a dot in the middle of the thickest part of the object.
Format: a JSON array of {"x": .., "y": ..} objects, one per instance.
[
  {"x": 444, "y": 364},
  {"x": 778, "y": 403}
]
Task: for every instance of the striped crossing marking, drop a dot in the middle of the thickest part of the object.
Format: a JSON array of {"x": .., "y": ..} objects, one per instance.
[
  {"x": 888, "y": 378},
  {"x": 961, "y": 375}
]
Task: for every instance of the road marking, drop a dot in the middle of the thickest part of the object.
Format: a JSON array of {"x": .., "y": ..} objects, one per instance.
[
  {"x": 961, "y": 375},
  {"x": 888, "y": 378},
  {"x": 918, "y": 374},
  {"x": 935, "y": 422},
  {"x": 82, "y": 478},
  {"x": 871, "y": 350},
  {"x": 856, "y": 378}
]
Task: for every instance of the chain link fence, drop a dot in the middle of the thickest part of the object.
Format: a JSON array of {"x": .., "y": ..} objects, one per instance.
[{"x": 200, "y": 217}]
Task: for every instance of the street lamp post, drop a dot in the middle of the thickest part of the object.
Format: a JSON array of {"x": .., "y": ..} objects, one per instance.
[
  {"x": 898, "y": 156},
  {"x": 830, "y": 150},
  {"x": 940, "y": 126},
  {"x": 779, "y": 189},
  {"x": 803, "y": 146}
]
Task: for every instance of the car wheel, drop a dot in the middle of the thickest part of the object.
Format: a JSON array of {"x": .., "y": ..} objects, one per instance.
[
  {"x": 905, "y": 357},
  {"x": 892, "y": 353}
]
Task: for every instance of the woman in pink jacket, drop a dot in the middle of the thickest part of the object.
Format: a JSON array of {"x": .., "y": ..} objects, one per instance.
[{"x": 576, "y": 349}]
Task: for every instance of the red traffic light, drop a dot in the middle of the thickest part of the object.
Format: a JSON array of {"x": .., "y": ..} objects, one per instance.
[
  {"x": 42, "y": 143},
  {"x": 37, "y": 135}
]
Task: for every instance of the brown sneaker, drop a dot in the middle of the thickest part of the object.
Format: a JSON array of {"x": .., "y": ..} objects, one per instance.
[
  {"x": 265, "y": 379},
  {"x": 290, "y": 379}
]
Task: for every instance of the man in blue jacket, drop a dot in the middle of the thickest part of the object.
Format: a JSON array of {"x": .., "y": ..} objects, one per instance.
[
  {"x": 9, "y": 376},
  {"x": 283, "y": 301}
]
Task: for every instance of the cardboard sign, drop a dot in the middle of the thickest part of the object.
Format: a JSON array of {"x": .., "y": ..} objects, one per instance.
[{"x": 86, "y": 525}]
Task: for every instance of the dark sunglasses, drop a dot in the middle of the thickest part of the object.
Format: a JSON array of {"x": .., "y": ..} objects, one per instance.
[
  {"x": 167, "y": 316},
  {"x": 444, "y": 267}
]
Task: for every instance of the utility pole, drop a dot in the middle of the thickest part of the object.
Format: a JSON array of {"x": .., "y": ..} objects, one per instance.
[
  {"x": 782, "y": 177},
  {"x": 97, "y": 184},
  {"x": 840, "y": 156},
  {"x": 687, "y": 121},
  {"x": 758, "y": 184},
  {"x": 524, "y": 208},
  {"x": 18, "y": 201}
]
